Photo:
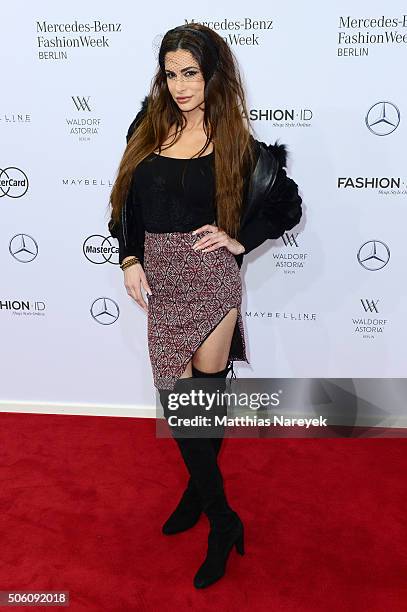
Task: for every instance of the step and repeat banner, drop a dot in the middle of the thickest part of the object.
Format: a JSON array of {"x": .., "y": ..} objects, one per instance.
[{"x": 328, "y": 299}]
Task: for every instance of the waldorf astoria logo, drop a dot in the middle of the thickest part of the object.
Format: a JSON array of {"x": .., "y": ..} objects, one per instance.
[
  {"x": 100, "y": 249},
  {"x": 369, "y": 324},
  {"x": 83, "y": 126},
  {"x": 13, "y": 182},
  {"x": 370, "y": 305},
  {"x": 382, "y": 118},
  {"x": 291, "y": 258},
  {"x": 283, "y": 117}
]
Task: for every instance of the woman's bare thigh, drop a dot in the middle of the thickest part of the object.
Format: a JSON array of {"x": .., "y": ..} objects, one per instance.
[{"x": 212, "y": 355}]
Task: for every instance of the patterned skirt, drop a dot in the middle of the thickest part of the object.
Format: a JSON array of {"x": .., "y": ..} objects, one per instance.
[{"x": 191, "y": 293}]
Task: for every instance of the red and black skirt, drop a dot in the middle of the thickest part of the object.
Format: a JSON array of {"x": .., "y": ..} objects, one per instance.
[{"x": 191, "y": 293}]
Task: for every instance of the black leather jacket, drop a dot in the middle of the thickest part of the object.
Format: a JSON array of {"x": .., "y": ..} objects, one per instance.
[{"x": 271, "y": 204}]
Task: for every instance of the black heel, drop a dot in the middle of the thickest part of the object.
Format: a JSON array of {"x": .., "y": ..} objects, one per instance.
[
  {"x": 220, "y": 544},
  {"x": 240, "y": 544}
]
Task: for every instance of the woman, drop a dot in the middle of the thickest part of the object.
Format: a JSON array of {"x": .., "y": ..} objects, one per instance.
[{"x": 195, "y": 191}]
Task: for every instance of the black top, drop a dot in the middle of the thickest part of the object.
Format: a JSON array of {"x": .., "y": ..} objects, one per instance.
[{"x": 174, "y": 194}]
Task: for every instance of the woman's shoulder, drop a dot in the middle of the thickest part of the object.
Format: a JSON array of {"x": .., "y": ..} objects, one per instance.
[
  {"x": 140, "y": 114},
  {"x": 277, "y": 150}
]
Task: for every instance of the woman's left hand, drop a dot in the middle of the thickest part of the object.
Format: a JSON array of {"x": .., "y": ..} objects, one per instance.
[{"x": 216, "y": 239}]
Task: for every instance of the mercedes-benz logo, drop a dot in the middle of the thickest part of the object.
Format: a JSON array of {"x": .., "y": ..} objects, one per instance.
[
  {"x": 101, "y": 249},
  {"x": 105, "y": 311},
  {"x": 373, "y": 255},
  {"x": 13, "y": 182},
  {"x": 382, "y": 118},
  {"x": 23, "y": 248}
]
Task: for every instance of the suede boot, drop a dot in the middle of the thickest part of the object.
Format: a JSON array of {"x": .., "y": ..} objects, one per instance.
[{"x": 190, "y": 506}]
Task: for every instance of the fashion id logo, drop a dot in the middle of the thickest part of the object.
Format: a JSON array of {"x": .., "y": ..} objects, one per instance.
[{"x": 22, "y": 307}]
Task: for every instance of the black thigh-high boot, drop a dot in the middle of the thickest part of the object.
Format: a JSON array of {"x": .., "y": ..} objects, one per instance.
[
  {"x": 226, "y": 528},
  {"x": 189, "y": 508}
]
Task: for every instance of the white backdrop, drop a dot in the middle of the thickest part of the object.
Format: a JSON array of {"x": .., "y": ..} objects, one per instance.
[{"x": 326, "y": 300}]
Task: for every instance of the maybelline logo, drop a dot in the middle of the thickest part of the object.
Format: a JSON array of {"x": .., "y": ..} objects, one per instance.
[
  {"x": 23, "y": 307},
  {"x": 55, "y": 39},
  {"x": 84, "y": 126},
  {"x": 286, "y": 316},
  {"x": 13, "y": 182},
  {"x": 105, "y": 311},
  {"x": 290, "y": 260},
  {"x": 23, "y": 248},
  {"x": 282, "y": 117},
  {"x": 369, "y": 327},
  {"x": 373, "y": 255},
  {"x": 87, "y": 182},
  {"x": 382, "y": 118},
  {"x": 236, "y": 32},
  {"x": 100, "y": 249},
  {"x": 13, "y": 118},
  {"x": 356, "y": 35}
]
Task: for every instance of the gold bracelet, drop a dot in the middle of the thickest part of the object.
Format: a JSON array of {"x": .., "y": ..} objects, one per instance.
[
  {"x": 128, "y": 265},
  {"x": 129, "y": 262}
]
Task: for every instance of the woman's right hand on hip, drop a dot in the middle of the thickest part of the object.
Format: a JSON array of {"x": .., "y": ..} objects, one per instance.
[{"x": 134, "y": 279}]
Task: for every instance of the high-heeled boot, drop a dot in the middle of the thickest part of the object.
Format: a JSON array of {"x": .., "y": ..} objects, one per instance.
[
  {"x": 189, "y": 508},
  {"x": 226, "y": 531},
  {"x": 226, "y": 528}
]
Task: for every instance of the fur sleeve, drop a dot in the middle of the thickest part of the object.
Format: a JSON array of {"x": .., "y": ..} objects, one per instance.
[{"x": 281, "y": 207}]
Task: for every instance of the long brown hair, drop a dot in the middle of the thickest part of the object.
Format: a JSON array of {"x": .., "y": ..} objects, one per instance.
[{"x": 225, "y": 122}]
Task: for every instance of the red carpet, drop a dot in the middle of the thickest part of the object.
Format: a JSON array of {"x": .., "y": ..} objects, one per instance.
[{"x": 83, "y": 499}]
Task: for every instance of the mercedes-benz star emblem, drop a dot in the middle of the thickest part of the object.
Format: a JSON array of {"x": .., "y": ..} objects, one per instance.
[
  {"x": 105, "y": 311},
  {"x": 23, "y": 248},
  {"x": 373, "y": 255},
  {"x": 382, "y": 118}
]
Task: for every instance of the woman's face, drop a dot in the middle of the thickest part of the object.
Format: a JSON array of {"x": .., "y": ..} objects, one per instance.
[{"x": 184, "y": 79}]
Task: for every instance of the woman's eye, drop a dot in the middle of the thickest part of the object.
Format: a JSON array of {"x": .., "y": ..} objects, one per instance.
[{"x": 189, "y": 73}]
